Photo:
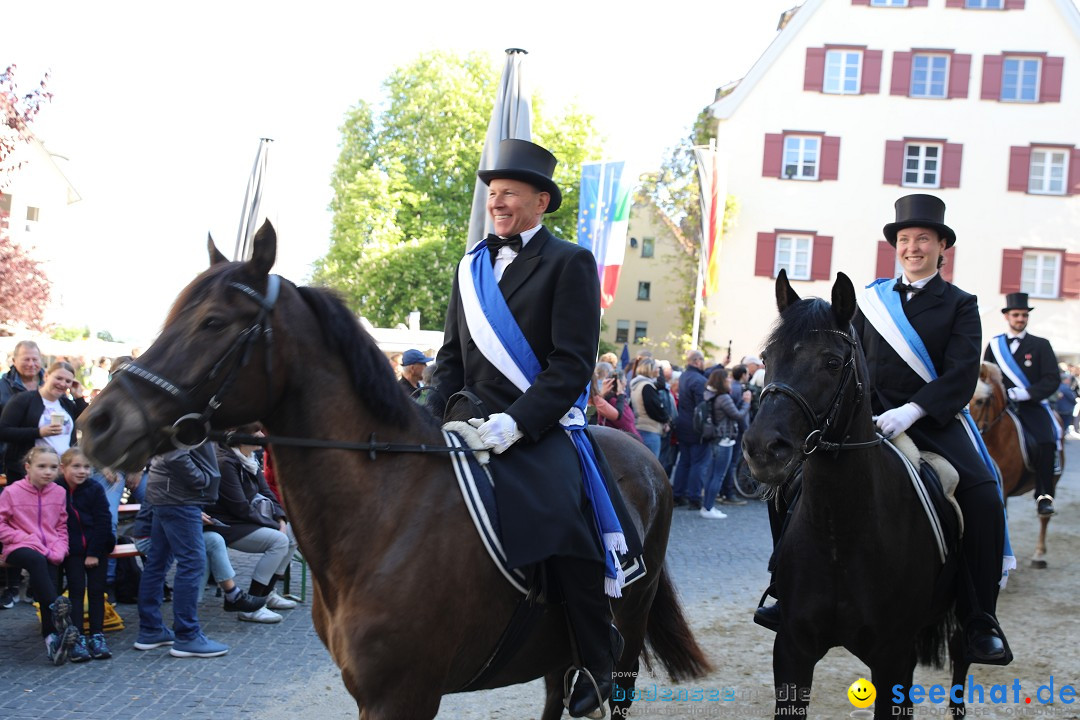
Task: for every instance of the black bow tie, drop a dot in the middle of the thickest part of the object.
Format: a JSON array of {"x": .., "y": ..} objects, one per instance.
[
  {"x": 905, "y": 288},
  {"x": 494, "y": 243}
]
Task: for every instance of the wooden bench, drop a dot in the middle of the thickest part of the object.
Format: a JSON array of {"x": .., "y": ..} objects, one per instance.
[{"x": 125, "y": 550}]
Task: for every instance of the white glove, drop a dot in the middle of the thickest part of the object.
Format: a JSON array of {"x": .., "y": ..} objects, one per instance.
[
  {"x": 498, "y": 432},
  {"x": 1019, "y": 394},
  {"x": 895, "y": 421}
]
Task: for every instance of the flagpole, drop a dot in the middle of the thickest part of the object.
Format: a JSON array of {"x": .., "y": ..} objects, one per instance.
[{"x": 702, "y": 259}]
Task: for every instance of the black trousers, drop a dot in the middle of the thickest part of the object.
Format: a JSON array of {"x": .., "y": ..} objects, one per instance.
[
  {"x": 1038, "y": 423},
  {"x": 88, "y": 581},
  {"x": 582, "y": 585},
  {"x": 44, "y": 581}
]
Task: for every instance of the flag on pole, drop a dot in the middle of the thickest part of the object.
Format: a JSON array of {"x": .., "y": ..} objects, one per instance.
[
  {"x": 511, "y": 118},
  {"x": 713, "y": 198},
  {"x": 603, "y": 219},
  {"x": 624, "y": 360},
  {"x": 252, "y": 214}
]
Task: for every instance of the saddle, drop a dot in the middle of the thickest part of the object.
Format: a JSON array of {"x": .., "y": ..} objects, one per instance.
[
  {"x": 939, "y": 478},
  {"x": 1029, "y": 448}
]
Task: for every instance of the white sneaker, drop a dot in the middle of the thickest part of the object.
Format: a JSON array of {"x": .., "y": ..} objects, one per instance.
[
  {"x": 262, "y": 615},
  {"x": 276, "y": 602},
  {"x": 713, "y": 514}
]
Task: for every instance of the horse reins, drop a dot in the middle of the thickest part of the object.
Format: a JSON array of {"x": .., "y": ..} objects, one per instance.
[
  {"x": 822, "y": 423},
  {"x": 193, "y": 429}
]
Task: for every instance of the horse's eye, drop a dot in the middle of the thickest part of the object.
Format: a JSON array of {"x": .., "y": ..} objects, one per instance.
[
  {"x": 833, "y": 363},
  {"x": 212, "y": 323}
]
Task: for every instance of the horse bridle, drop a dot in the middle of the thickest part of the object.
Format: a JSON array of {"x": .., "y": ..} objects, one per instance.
[
  {"x": 822, "y": 423},
  {"x": 995, "y": 420},
  {"x": 193, "y": 429}
]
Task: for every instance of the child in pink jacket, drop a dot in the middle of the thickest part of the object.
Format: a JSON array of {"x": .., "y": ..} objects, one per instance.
[{"x": 33, "y": 532}]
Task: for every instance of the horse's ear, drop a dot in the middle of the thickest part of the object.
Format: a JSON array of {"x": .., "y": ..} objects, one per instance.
[
  {"x": 264, "y": 250},
  {"x": 843, "y": 300},
  {"x": 785, "y": 295},
  {"x": 216, "y": 258}
]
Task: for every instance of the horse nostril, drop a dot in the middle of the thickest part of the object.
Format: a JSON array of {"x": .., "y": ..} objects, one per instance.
[{"x": 99, "y": 422}]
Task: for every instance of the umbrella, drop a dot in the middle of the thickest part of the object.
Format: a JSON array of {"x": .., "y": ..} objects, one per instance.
[
  {"x": 510, "y": 118},
  {"x": 251, "y": 213}
]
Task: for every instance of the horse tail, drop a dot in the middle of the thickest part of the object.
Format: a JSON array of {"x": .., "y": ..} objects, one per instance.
[
  {"x": 932, "y": 642},
  {"x": 669, "y": 635}
]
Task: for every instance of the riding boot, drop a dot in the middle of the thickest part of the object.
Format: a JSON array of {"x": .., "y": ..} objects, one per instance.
[
  {"x": 983, "y": 542},
  {"x": 1044, "y": 478},
  {"x": 599, "y": 643}
]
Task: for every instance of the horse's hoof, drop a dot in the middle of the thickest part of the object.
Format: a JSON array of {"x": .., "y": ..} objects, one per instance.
[{"x": 1038, "y": 564}]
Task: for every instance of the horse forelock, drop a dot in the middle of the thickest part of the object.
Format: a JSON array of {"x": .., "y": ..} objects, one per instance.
[
  {"x": 983, "y": 391},
  {"x": 799, "y": 321},
  {"x": 369, "y": 370},
  {"x": 198, "y": 289}
]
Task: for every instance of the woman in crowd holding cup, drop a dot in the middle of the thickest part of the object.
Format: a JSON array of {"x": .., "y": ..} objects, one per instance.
[{"x": 46, "y": 417}]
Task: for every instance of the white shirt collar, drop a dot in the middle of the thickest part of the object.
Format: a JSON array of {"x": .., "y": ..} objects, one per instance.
[
  {"x": 918, "y": 283},
  {"x": 1019, "y": 336}
]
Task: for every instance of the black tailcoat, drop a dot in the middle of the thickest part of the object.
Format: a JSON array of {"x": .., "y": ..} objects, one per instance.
[
  {"x": 947, "y": 320},
  {"x": 1037, "y": 360},
  {"x": 553, "y": 291}
]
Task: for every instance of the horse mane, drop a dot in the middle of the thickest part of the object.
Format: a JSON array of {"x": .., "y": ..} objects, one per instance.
[
  {"x": 798, "y": 320},
  {"x": 369, "y": 370}
]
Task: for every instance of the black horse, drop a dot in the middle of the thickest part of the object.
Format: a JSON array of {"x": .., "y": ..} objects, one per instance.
[{"x": 857, "y": 564}]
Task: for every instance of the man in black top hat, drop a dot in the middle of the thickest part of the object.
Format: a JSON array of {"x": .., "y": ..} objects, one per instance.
[
  {"x": 1030, "y": 373},
  {"x": 552, "y": 291}
]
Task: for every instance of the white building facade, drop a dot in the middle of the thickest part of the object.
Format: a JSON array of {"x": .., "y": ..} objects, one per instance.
[{"x": 859, "y": 102}]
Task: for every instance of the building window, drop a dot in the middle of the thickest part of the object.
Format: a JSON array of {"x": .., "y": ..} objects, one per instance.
[
  {"x": 641, "y": 331},
  {"x": 643, "y": 289},
  {"x": 929, "y": 76},
  {"x": 801, "y": 157},
  {"x": 794, "y": 254},
  {"x": 922, "y": 165},
  {"x": 1020, "y": 79},
  {"x": 888, "y": 3},
  {"x": 622, "y": 331},
  {"x": 648, "y": 247},
  {"x": 1040, "y": 274},
  {"x": 32, "y": 214},
  {"x": 842, "y": 71},
  {"x": 984, "y": 4},
  {"x": 1049, "y": 169}
]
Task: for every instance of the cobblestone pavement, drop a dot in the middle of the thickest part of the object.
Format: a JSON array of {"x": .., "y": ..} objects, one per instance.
[{"x": 283, "y": 671}]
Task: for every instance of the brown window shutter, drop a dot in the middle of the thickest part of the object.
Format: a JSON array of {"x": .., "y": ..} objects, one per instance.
[
  {"x": 1070, "y": 276},
  {"x": 821, "y": 264},
  {"x": 814, "y": 75},
  {"x": 1052, "y": 70},
  {"x": 860, "y": 2},
  {"x": 991, "y": 77},
  {"x": 772, "y": 164},
  {"x": 1014, "y": 4},
  {"x": 1019, "y": 168},
  {"x": 871, "y": 74},
  {"x": 959, "y": 75},
  {"x": 1074, "y": 173},
  {"x": 1012, "y": 262},
  {"x": 954, "y": 3},
  {"x": 766, "y": 254},
  {"x": 830, "y": 158},
  {"x": 894, "y": 162},
  {"x": 901, "y": 73},
  {"x": 950, "y": 171},
  {"x": 917, "y": 3},
  {"x": 950, "y": 264},
  {"x": 886, "y": 260}
]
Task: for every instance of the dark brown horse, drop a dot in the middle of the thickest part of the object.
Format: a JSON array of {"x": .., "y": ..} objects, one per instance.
[
  {"x": 406, "y": 598},
  {"x": 1001, "y": 433},
  {"x": 857, "y": 564}
]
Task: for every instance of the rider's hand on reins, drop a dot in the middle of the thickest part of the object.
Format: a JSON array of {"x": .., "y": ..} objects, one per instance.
[
  {"x": 893, "y": 422},
  {"x": 498, "y": 432}
]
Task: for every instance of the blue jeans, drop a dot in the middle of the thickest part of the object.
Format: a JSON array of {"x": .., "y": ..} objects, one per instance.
[
  {"x": 721, "y": 461},
  {"x": 691, "y": 472},
  {"x": 176, "y": 531},
  {"x": 651, "y": 440}
]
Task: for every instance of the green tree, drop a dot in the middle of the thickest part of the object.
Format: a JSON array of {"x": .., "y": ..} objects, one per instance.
[
  {"x": 404, "y": 179},
  {"x": 675, "y": 193}
]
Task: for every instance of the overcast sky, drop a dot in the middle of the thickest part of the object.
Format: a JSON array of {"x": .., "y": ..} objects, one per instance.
[{"x": 159, "y": 108}]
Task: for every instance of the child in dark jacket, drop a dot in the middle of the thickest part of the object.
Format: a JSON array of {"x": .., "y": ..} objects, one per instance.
[{"x": 90, "y": 540}]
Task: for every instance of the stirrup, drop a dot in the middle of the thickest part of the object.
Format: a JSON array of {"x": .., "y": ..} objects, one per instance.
[{"x": 568, "y": 687}]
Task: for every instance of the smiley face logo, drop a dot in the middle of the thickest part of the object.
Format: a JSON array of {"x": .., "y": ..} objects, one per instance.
[{"x": 862, "y": 693}]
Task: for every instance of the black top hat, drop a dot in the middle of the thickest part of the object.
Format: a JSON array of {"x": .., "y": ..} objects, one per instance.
[
  {"x": 920, "y": 211},
  {"x": 1016, "y": 301},
  {"x": 527, "y": 162}
]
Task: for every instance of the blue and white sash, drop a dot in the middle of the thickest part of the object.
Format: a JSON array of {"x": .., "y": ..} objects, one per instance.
[
  {"x": 500, "y": 340},
  {"x": 999, "y": 346},
  {"x": 880, "y": 305}
]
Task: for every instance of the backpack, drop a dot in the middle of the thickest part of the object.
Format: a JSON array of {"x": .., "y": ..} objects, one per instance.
[
  {"x": 128, "y": 577},
  {"x": 703, "y": 421}
]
